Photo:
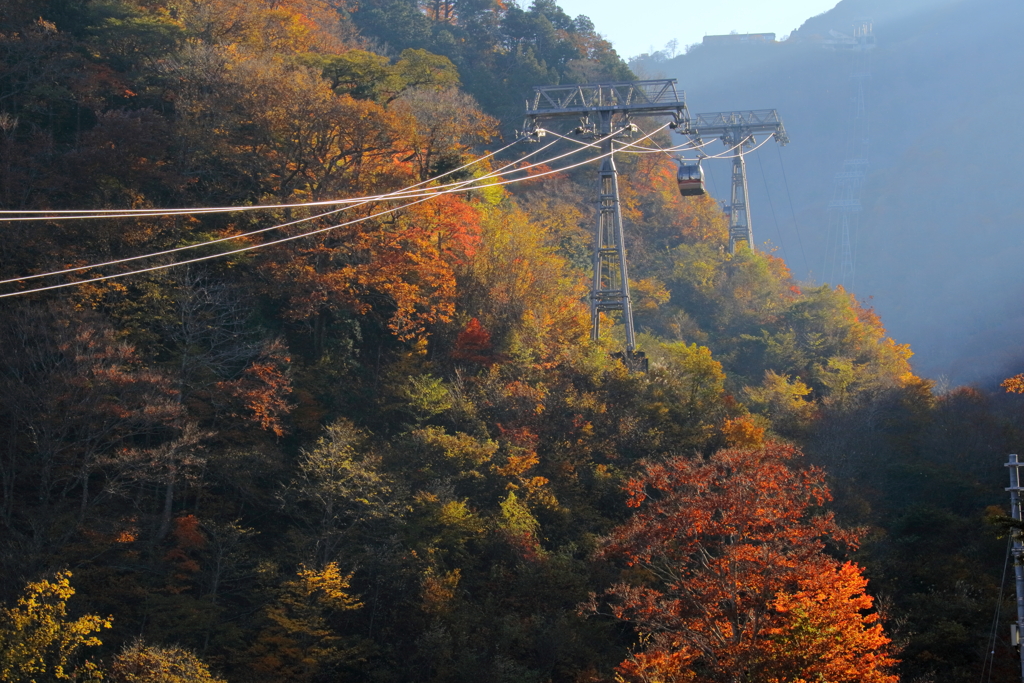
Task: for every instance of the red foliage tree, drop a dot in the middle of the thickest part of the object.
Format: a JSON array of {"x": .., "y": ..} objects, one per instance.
[
  {"x": 473, "y": 344},
  {"x": 260, "y": 395},
  {"x": 730, "y": 581}
]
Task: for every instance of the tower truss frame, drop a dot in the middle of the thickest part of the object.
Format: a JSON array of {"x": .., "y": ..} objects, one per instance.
[
  {"x": 604, "y": 111},
  {"x": 736, "y": 129}
]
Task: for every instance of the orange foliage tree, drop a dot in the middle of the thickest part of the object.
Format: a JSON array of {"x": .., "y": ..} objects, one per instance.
[
  {"x": 1014, "y": 385},
  {"x": 729, "y": 580}
]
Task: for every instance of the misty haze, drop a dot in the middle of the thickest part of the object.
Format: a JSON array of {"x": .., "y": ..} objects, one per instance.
[
  {"x": 409, "y": 341},
  {"x": 938, "y": 248}
]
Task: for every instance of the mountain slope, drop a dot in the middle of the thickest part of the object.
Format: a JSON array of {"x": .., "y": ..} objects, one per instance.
[{"x": 936, "y": 249}]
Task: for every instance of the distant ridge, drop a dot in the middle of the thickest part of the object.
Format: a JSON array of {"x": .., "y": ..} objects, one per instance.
[{"x": 941, "y": 246}]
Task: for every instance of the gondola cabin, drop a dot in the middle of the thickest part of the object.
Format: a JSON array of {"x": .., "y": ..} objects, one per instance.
[{"x": 690, "y": 179}]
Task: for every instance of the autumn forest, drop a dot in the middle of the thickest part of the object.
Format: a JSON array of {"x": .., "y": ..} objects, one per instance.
[{"x": 374, "y": 441}]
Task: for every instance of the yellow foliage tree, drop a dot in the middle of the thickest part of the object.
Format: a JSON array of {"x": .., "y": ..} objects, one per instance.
[
  {"x": 139, "y": 663},
  {"x": 39, "y": 642},
  {"x": 522, "y": 291},
  {"x": 299, "y": 642}
]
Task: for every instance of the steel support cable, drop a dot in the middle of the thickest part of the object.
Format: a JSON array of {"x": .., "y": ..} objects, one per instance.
[
  {"x": 291, "y": 237},
  {"x": 771, "y": 204},
  {"x": 647, "y": 150},
  {"x": 674, "y": 148},
  {"x": 400, "y": 194},
  {"x": 800, "y": 241},
  {"x": 584, "y": 143},
  {"x": 11, "y": 215}
]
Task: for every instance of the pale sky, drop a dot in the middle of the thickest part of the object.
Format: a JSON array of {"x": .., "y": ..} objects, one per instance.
[{"x": 637, "y": 26}]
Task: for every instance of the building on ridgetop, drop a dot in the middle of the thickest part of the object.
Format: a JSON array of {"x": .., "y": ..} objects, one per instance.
[{"x": 733, "y": 38}]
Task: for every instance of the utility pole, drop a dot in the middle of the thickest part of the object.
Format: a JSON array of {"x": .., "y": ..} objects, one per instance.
[
  {"x": 1018, "y": 547},
  {"x": 603, "y": 111},
  {"x": 736, "y": 129}
]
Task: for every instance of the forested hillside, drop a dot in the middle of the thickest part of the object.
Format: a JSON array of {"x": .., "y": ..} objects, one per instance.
[{"x": 373, "y": 441}]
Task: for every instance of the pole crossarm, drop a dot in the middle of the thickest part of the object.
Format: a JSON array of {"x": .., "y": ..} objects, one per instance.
[
  {"x": 733, "y": 126},
  {"x": 649, "y": 98}
]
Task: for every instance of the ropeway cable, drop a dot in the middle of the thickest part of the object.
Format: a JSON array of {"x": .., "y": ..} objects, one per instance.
[
  {"x": 456, "y": 187},
  {"x": 701, "y": 146},
  {"x": 289, "y": 238},
  {"x": 673, "y": 148},
  {"x": 402, "y": 194},
  {"x": 11, "y": 215},
  {"x": 275, "y": 242},
  {"x": 690, "y": 144},
  {"x": 647, "y": 150},
  {"x": 726, "y": 155},
  {"x": 399, "y": 194}
]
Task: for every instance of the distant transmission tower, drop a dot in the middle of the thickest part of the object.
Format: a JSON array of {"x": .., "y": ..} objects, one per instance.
[
  {"x": 603, "y": 111},
  {"x": 736, "y": 129},
  {"x": 845, "y": 208}
]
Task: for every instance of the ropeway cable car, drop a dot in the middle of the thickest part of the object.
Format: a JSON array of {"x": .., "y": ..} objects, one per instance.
[{"x": 690, "y": 179}]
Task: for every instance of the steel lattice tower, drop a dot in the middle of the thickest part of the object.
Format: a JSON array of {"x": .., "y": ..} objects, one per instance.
[
  {"x": 844, "y": 209},
  {"x": 736, "y": 129},
  {"x": 604, "y": 110}
]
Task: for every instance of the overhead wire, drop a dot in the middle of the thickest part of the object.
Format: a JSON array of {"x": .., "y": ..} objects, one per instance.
[
  {"x": 294, "y": 237},
  {"x": 640, "y": 149},
  {"x": 990, "y": 656},
  {"x": 399, "y": 194},
  {"x": 632, "y": 147},
  {"x": 673, "y": 148}
]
